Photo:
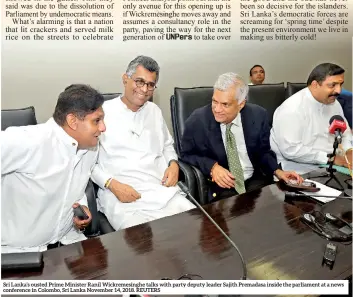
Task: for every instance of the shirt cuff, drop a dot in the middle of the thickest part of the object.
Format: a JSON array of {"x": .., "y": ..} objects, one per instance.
[
  {"x": 170, "y": 156},
  {"x": 321, "y": 158},
  {"x": 100, "y": 177}
]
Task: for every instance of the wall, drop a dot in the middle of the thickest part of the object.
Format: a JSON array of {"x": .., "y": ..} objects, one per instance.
[{"x": 35, "y": 72}]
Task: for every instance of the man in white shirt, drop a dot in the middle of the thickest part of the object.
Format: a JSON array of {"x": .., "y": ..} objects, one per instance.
[
  {"x": 45, "y": 169},
  {"x": 228, "y": 141},
  {"x": 137, "y": 169},
  {"x": 300, "y": 133},
  {"x": 257, "y": 75}
]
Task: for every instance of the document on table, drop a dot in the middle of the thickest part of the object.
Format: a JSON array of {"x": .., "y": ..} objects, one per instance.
[{"x": 324, "y": 190}]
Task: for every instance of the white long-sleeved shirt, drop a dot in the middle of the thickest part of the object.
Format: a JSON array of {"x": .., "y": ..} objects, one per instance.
[
  {"x": 42, "y": 175},
  {"x": 238, "y": 132},
  {"x": 135, "y": 150},
  {"x": 300, "y": 133}
]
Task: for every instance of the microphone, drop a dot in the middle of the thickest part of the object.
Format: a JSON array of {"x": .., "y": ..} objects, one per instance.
[
  {"x": 311, "y": 219},
  {"x": 337, "y": 127},
  {"x": 292, "y": 194},
  {"x": 185, "y": 189},
  {"x": 320, "y": 229}
]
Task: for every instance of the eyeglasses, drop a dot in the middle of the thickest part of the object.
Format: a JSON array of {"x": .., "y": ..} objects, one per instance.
[{"x": 141, "y": 83}]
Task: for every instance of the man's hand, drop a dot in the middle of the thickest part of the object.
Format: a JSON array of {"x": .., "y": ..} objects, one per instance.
[
  {"x": 82, "y": 224},
  {"x": 349, "y": 157},
  {"x": 222, "y": 177},
  {"x": 340, "y": 161},
  {"x": 171, "y": 175},
  {"x": 123, "y": 192},
  {"x": 288, "y": 175}
]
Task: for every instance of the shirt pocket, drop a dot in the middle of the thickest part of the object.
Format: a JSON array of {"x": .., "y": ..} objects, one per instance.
[{"x": 152, "y": 142}]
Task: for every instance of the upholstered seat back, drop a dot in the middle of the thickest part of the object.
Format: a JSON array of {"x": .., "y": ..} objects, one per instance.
[
  {"x": 292, "y": 88},
  {"x": 182, "y": 104},
  {"x": 109, "y": 96},
  {"x": 269, "y": 96},
  {"x": 18, "y": 117}
]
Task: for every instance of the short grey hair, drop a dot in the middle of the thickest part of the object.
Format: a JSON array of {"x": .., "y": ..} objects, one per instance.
[
  {"x": 147, "y": 63},
  {"x": 230, "y": 79}
]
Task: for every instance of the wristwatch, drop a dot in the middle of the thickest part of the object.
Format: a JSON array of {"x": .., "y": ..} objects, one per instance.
[{"x": 107, "y": 183}]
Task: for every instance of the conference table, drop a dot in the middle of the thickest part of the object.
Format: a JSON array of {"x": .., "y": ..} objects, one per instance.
[{"x": 265, "y": 226}]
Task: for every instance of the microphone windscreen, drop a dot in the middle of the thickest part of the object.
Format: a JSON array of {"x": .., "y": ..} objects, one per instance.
[
  {"x": 336, "y": 117},
  {"x": 337, "y": 123}
]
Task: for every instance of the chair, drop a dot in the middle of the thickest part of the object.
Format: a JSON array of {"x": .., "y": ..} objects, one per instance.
[
  {"x": 99, "y": 224},
  {"x": 293, "y": 88},
  {"x": 18, "y": 117},
  {"x": 109, "y": 96},
  {"x": 269, "y": 96},
  {"x": 182, "y": 104}
]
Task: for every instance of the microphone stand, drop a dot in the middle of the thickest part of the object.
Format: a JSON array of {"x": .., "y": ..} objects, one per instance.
[
  {"x": 292, "y": 194},
  {"x": 185, "y": 189},
  {"x": 330, "y": 170}
]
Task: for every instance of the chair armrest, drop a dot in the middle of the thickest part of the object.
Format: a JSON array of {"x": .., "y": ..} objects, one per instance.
[
  {"x": 187, "y": 175},
  {"x": 202, "y": 187},
  {"x": 99, "y": 224},
  {"x": 92, "y": 230},
  {"x": 104, "y": 224}
]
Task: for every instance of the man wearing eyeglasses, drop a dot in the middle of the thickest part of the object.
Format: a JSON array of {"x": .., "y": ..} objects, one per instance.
[{"x": 137, "y": 170}]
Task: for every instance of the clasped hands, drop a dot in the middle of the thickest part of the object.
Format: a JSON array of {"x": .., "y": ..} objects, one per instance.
[{"x": 127, "y": 194}]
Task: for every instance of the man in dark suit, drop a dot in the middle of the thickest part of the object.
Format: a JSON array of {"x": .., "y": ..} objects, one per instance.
[
  {"x": 345, "y": 99},
  {"x": 228, "y": 141}
]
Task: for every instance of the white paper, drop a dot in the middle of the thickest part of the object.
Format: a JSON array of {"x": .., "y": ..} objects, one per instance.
[{"x": 324, "y": 190}]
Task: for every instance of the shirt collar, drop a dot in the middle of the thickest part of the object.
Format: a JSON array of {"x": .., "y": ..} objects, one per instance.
[
  {"x": 70, "y": 143},
  {"x": 236, "y": 121},
  {"x": 313, "y": 101},
  {"x": 127, "y": 109}
]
